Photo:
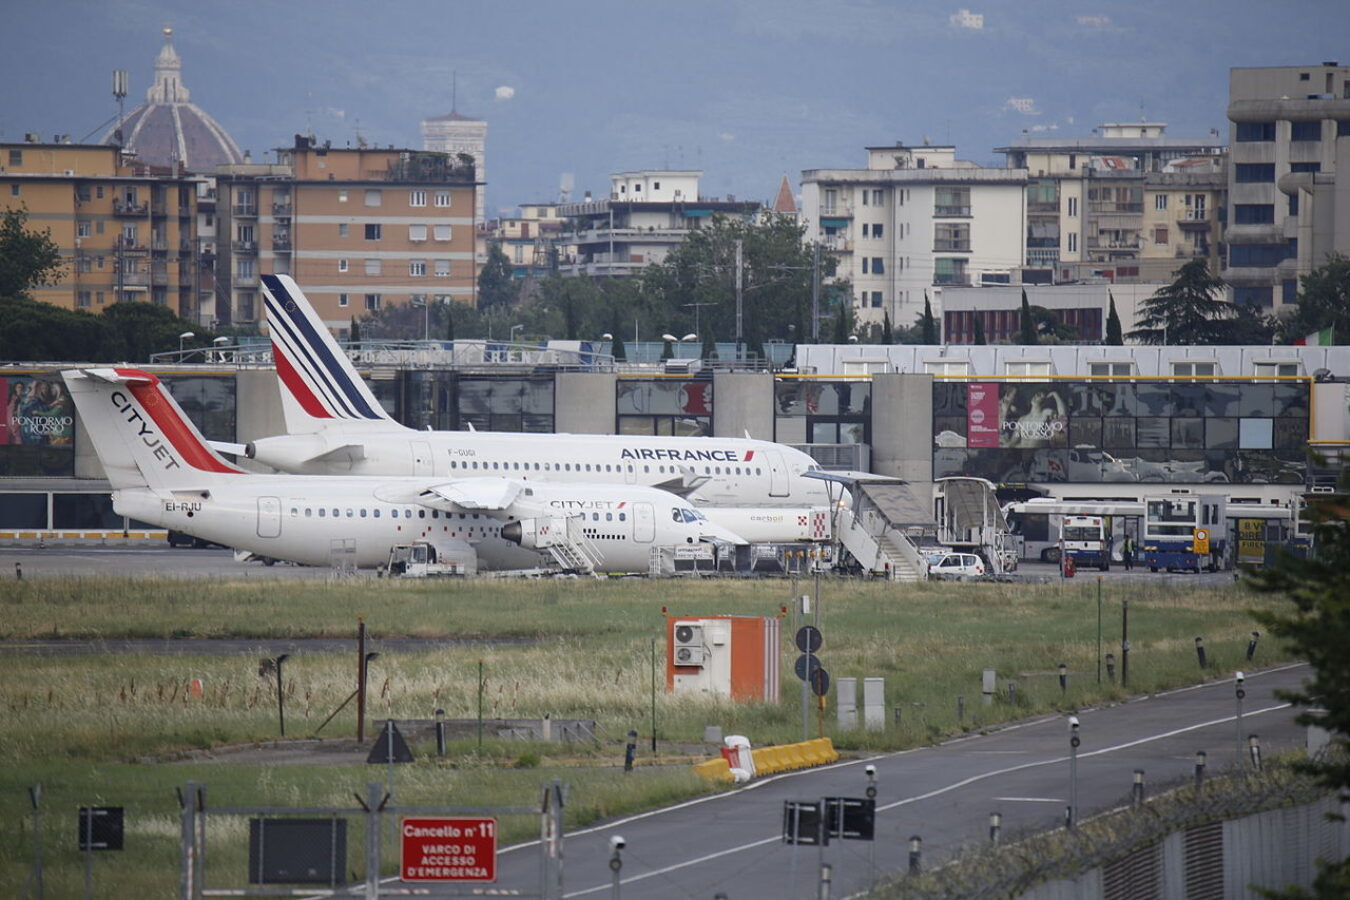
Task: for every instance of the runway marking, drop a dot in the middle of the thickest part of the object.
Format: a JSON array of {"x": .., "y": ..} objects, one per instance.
[
  {"x": 1030, "y": 799},
  {"x": 934, "y": 793}
]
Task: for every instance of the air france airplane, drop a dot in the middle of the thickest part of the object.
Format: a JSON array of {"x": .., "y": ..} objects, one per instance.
[
  {"x": 163, "y": 472},
  {"x": 336, "y": 426}
]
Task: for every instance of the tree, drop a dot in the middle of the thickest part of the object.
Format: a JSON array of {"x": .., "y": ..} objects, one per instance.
[
  {"x": 449, "y": 320},
  {"x": 356, "y": 331},
  {"x": 34, "y": 331},
  {"x": 1189, "y": 311},
  {"x": 1323, "y": 302},
  {"x": 28, "y": 259},
  {"x": 1317, "y": 628},
  {"x": 887, "y": 332},
  {"x": 495, "y": 285},
  {"x": 928, "y": 323},
  {"x": 980, "y": 340},
  {"x": 137, "y": 330},
  {"x": 1114, "y": 337},
  {"x": 1027, "y": 332}
]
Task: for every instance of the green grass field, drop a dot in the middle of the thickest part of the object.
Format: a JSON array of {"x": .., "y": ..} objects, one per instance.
[{"x": 112, "y": 729}]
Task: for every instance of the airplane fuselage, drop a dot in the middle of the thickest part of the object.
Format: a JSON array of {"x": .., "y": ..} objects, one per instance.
[
  {"x": 732, "y": 471},
  {"x": 317, "y": 521}
]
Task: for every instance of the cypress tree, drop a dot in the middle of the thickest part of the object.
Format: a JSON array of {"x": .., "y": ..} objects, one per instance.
[
  {"x": 1114, "y": 336},
  {"x": 930, "y": 329},
  {"x": 980, "y": 339},
  {"x": 1027, "y": 336}
]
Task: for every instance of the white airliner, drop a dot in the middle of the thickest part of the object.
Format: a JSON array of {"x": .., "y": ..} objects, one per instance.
[
  {"x": 163, "y": 473},
  {"x": 336, "y": 426}
]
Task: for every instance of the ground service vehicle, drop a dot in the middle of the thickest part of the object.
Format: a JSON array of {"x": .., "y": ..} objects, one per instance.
[
  {"x": 1184, "y": 531},
  {"x": 1087, "y": 541}
]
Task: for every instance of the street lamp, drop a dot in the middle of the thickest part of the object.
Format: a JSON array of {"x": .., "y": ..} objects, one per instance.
[
  {"x": 219, "y": 343},
  {"x": 514, "y": 329},
  {"x": 183, "y": 337},
  {"x": 426, "y": 314}
]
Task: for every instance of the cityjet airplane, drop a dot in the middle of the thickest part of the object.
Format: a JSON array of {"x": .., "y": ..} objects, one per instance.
[
  {"x": 163, "y": 472},
  {"x": 336, "y": 426}
]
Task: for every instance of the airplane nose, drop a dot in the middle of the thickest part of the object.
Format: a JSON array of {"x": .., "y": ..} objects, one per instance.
[{"x": 512, "y": 531}]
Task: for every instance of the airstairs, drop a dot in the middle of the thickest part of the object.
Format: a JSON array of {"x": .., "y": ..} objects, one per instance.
[
  {"x": 881, "y": 528},
  {"x": 969, "y": 518},
  {"x": 572, "y": 550}
]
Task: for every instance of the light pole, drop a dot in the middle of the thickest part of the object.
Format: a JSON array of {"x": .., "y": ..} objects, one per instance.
[
  {"x": 219, "y": 343},
  {"x": 514, "y": 329},
  {"x": 1071, "y": 817},
  {"x": 183, "y": 337}
]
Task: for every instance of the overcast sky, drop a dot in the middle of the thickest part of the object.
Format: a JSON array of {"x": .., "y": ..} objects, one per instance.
[{"x": 744, "y": 90}]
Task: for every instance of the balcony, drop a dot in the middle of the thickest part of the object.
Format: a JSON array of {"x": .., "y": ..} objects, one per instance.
[
  {"x": 951, "y": 210},
  {"x": 245, "y": 246},
  {"x": 123, "y": 208},
  {"x": 1038, "y": 208},
  {"x": 130, "y": 245},
  {"x": 836, "y": 244},
  {"x": 249, "y": 280},
  {"x": 839, "y": 209},
  {"x": 951, "y": 245},
  {"x": 954, "y": 279},
  {"x": 1107, "y": 208},
  {"x": 134, "y": 279},
  {"x": 281, "y": 243},
  {"x": 245, "y": 209},
  {"x": 284, "y": 210},
  {"x": 159, "y": 244},
  {"x": 1042, "y": 258}
]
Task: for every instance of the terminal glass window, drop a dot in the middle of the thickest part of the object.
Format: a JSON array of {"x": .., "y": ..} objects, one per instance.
[
  {"x": 208, "y": 400},
  {"x": 445, "y": 401},
  {"x": 823, "y": 412},
  {"x": 664, "y": 407},
  {"x": 1147, "y": 432}
]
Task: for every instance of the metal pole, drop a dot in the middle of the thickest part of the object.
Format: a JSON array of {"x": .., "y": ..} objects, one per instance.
[
  {"x": 915, "y": 853},
  {"x": 1137, "y": 791},
  {"x": 186, "y": 835},
  {"x": 1199, "y": 769},
  {"x": 88, "y": 853},
  {"x": 615, "y": 866},
  {"x": 360, "y": 679},
  {"x": 653, "y": 696},
  {"x": 198, "y": 804},
  {"x": 372, "y": 840},
  {"x": 815, "y": 291},
  {"x": 440, "y": 732},
  {"x": 1071, "y": 819},
  {"x": 825, "y": 878},
  {"x": 35, "y": 796},
  {"x": 995, "y": 826},
  {"x": 480, "y": 706},
  {"x": 1099, "y": 629},
  {"x": 1239, "y": 693},
  {"x": 1124, "y": 642},
  {"x": 281, "y": 694},
  {"x": 740, "y": 302}
]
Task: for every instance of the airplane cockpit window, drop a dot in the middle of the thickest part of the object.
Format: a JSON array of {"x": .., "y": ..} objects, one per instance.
[{"x": 675, "y": 514}]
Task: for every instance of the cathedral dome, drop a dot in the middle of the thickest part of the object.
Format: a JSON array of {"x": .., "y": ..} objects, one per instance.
[{"x": 168, "y": 129}]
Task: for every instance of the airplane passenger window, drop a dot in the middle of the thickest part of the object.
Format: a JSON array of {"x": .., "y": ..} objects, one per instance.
[
  {"x": 536, "y": 467},
  {"x": 421, "y": 514},
  {"x": 646, "y": 469},
  {"x": 308, "y": 512},
  {"x": 363, "y": 512},
  {"x": 609, "y": 517},
  {"x": 623, "y": 517},
  {"x": 595, "y": 517},
  {"x": 295, "y": 513},
  {"x": 494, "y": 465},
  {"x": 322, "y": 512},
  {"x": 349, "y": 513},
  {"x": 377, "y": 512}
]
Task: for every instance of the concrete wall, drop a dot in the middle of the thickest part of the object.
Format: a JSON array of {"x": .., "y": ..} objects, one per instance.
[
  {"x": 583, "y": 402},
  {"x": 741, "y": 403},
  {"x": 899, "y": 448}
]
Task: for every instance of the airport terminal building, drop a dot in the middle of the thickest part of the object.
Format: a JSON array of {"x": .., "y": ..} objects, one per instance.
[{"x": 1108, "y": 423}]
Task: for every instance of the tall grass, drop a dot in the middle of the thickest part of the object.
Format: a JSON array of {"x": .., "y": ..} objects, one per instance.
[{"x": 89, "y": 727}]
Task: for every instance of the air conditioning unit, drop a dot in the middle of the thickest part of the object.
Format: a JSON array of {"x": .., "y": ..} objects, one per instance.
[{"x": 688, "y": 647}]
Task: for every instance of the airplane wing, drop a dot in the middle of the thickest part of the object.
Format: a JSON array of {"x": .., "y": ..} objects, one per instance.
[
  {"x": 486, "y": 494},
  {"x": 685, "y": 484},
  {"x": 850, "y": 478}
]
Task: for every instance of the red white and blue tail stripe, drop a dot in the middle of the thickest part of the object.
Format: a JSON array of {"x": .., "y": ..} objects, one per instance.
[{"x": 319, "y": 385}]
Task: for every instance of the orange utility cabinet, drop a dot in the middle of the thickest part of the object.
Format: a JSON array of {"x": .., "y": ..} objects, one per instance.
[{"x": 729, "y": 656}]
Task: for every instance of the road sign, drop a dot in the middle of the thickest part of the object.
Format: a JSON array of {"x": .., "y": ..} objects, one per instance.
[
  {"x": 850, "y": 818},
  {"x": 820, "y": 682},
  {"x": 100, "y": 828},
  {"x": 801, "y": 823},
  {"x": 448, "y": 849},
  {"x": 805, "y": 664},
  {"x": 808, "y": 639}
]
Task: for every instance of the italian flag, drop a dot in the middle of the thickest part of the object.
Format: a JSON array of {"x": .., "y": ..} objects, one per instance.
[{"x": 1316, "y": 339}]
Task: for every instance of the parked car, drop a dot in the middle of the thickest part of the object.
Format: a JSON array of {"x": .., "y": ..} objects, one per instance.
[{"x": 954, "y": 565}]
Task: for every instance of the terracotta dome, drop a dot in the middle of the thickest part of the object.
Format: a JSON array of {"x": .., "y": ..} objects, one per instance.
[{"x": 167, "y": 128}]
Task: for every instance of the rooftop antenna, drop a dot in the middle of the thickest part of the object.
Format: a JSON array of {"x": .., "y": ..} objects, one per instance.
[{"x": 119, "y": 90}]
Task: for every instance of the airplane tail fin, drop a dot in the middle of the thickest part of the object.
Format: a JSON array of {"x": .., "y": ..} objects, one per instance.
[
  {"x": 140, "y": 434},
  {"x": 319, "y": 385}
]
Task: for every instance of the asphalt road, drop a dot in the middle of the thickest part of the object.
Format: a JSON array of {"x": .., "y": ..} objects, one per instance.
[{"x": 731, "y": 843}]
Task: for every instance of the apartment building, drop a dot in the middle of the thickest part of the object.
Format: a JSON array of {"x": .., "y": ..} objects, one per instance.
[
  {"x": 1290, "y": 135},
  {"x": 916, "y": 220},
  {"x": 534, "y": 241},
  {"x": 358, "y": 228},
  {"x": 647, "y": 215},
  {"x": 1126, "y": 204},
  {"x": 455, "y": 133},
  {"x": 126, "y": 231}
]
